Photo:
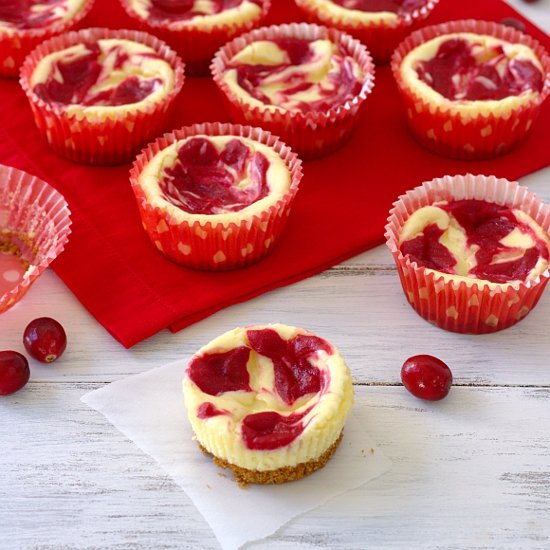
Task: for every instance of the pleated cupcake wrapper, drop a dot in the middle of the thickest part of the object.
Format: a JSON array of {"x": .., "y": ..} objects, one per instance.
[
  {"x": 443, "y": 129},
  {"x": 194, "y": 44},
  {"x": 17, "y": 44},
  {"x": 380, "y": 38},
  {"x": 101, "y": 139},
  {"x": 36, "y": 219},
  {"x": 312, "y": 134},
  {"x": 453, "y": 305},
  {"x": 219, "y": 246}
]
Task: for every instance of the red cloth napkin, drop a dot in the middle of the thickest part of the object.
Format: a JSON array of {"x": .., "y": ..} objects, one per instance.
[{"x": 340, "y": 210}]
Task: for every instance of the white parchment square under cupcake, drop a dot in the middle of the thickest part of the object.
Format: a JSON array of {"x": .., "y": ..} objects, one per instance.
[{"x": 156, "y": 422}]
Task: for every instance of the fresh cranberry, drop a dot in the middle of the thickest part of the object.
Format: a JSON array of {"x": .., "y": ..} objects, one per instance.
[
  {"x": 14, "y": 372},
  {"x": 514, "y": 23},
  {"x": 426, "y": 377},
  {"x": 45, "y": 339}
]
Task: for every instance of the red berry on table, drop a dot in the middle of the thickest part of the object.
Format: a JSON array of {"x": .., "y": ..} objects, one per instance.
[
  {"x": 14, "y": 372},
  {"x": 514, "y": 23},
  {"x": 45, "y": 339},
  {"x": 426, "y": 377}
]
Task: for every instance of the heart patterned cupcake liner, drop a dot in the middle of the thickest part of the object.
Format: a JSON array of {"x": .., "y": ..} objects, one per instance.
[
  {"x": 101, "y": 138},
  {"x": 241, "y": 240},
  {"x": 473, "y": 306},
  {"x": 310, "y": 134},
  {"x": 444, "y": 128}
]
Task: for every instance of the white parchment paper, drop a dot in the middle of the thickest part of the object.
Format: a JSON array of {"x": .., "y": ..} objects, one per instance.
[{"x": 148, "y": 408}]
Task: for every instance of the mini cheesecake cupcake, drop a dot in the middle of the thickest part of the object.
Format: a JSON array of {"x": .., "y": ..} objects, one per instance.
[
  {"x": 215, "y": 196},
  {"x": 379, "y": 24},
  {"x": 472, "y": 89},
  {"x": 197, "y": 28},
  {"x": 472, "y": 252},
  {"x": 99, "y": 95},
  {"x": 24, "y": 24},
  {"x": 302, "y": 82},
  {"x": 268, "y": 402}
]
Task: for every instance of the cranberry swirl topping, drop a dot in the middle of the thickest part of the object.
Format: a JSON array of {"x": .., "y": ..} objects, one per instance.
[
  {"x": 32, "y": 14},
  {"x": 309, "y": 77},
  {"x": 485, "y": 226},
  {"x": 205, "y": 180},
  {"x": 462, "y": 70},
  {"x": 99, "y": 77}
]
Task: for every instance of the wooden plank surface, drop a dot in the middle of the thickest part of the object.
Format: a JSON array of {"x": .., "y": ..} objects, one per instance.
[{"x": 472, "y": 471}]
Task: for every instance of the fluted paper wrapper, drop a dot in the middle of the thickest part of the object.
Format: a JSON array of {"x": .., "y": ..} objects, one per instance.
[
  {"x": 16, "y": 44},
  {"x": 193, "y": 42},
  {"x": 380, "y": 37},
  {"x": 311, "y": 134},
  {"x": 216, "y": 246},
  {"x": 101, "y": 139},
  {"x": 468, "y": 308},
  {"x": 443, "y": 129},
  {"x": 35, "y": 223}
]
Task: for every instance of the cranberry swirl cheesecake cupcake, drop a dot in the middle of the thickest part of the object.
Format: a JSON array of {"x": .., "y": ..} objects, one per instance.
[
  {"x": 268, "y": 402},
  {"x": 197, "y": 28},
  {"x": 215, "y": 196},
  {"x": 472, "y": 251},
  {"x": 99, "y": 95},
  {"x": 379, "y": 24},
  {"x": 472, "y": 89},
  {"x": 24, "y": 24},
  {"x": 304, "y": 83}
]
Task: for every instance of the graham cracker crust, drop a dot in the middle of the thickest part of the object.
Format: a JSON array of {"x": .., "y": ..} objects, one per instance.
[{"x": 245, "y": 477}]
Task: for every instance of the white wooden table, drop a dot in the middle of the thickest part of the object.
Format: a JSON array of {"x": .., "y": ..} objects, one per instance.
[{"x": 471, "y": 471}]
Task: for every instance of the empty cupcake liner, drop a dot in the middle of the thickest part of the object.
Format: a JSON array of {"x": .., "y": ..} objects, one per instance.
[
  {"x": 380, "y": 38},
  {"x": 193, "y": 42},
  {"x": 104, "y": 139},
  {"x": 216, "y": 246},
  {"x": 34, "y": 228},
  {"x": 443, "y": 128},
  {"x": 312, "y": 134},
  {"x": 15, "y": 44},
  {"x": 479, "y": 307}
]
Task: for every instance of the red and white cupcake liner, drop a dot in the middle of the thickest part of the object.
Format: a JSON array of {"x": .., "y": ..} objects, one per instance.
[
  {"x": 443, "y": 129},
  {"x": 312, "y": 134},
  {"x": 195, "y": 44},
  {"x": 35, "y": 220},
  {"x": 15, "y": 44},
  {"x": 380, "y": 38},
  {"x": 111, "y": 139},
  {"x": 216, "y": 246},
  {"x": 476, "y": 308}
]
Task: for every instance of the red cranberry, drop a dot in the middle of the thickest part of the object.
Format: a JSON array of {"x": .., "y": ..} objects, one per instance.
[
  {"x": 45, "y": 339},
  {"x": 14, "y": 372},
  {"x": 514, "y": 23},
  {"x": 426, "y": 377}
]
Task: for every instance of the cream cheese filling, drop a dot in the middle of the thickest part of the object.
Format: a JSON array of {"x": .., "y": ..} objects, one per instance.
[
  {"x": 143, "y": 62},
  {"x": 321, "y": 71},
  {"x": 454, "y": 239},
  {"x": 353, "y": 16},
  {"x": 62, "y": 11},
  {"x": 467, "y": 108},
  {"x": 278, "y": 180},
  {"x": 244, "y": 12}
]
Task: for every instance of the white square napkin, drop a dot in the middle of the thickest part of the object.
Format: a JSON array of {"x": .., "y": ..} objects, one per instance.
[{"x": 148, "y": 408}]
